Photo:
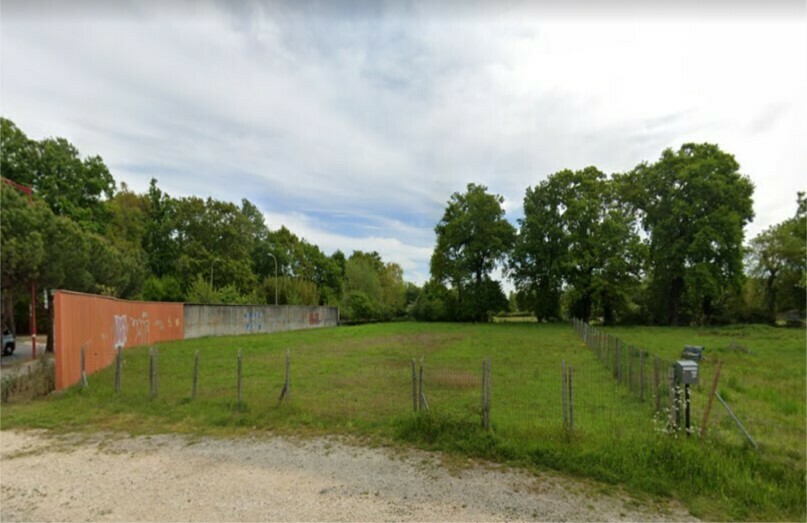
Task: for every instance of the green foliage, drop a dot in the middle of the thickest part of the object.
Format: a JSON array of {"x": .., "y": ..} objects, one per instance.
[
  {"x": 472, "y": 237},
  {"x": 435, "y": 302},
  {"x": 694, "y": 206},
  {"x": 777, "y": 259},
  {"x": 165, "y": 288},
  {"x": 576, "y": 234}
]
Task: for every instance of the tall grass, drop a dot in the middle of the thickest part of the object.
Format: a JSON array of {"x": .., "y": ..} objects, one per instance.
[{"x": 358, "y": 380}]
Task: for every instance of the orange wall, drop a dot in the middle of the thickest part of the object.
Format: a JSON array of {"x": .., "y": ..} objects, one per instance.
[{"x": 100, "y": 323}]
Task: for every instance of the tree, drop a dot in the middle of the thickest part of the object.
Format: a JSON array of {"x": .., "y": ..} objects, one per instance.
[
  {"x": 777, "y": 258},
  {"x": 71, "y": 186},
  {"x": 694, "y": 205},
  {"x": 22, "y": 246},
  {"x": 537, "y": 261},
  {"x": 17, "y": 163},
  {"x": 472, "y": 237}
]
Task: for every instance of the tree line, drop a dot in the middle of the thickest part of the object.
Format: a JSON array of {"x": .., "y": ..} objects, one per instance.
[
  {"x": 81, "y": 231},
  {"x": 660, "y": 244}
]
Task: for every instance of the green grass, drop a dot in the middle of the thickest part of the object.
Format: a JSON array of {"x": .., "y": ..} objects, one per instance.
[{"x": 357, "y": 380}]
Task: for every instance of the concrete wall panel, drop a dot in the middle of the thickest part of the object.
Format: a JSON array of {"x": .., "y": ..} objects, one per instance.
[{"x": 231, "y": 320}]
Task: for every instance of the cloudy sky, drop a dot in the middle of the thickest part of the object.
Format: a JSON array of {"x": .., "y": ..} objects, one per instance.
[{"x": 352, "y": 123}]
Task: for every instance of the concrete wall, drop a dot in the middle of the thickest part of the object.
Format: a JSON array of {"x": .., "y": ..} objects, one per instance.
[{"x": 228, "y": 320}]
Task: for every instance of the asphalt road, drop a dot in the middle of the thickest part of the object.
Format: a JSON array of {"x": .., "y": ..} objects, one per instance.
[{"x": 23, "y": 350}]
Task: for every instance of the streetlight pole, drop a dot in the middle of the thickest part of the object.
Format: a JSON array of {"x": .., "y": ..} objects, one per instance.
[{"x": 276, "y": 282}]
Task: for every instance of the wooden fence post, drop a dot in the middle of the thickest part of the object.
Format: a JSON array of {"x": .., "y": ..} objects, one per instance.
[
  {"x": 118, "y": 369},
  {"x": 239, "y": 377},
  {"x": 83, "y": 372},
  {"x": 151, "y": 372},
  {"x": 656, "y": 391},
  {"x": 424, "y": 405},
  {"x": 195, "y": 374},
  {"x": 484, "y": 391},
  {"x": 711, "y": 398},
  {"x": 571, "y": 401},
  {"x": 488, "y": 391},
  {"x": 563, "y": 392},
  {"x": 414, "y": 387},
  {"x": 285, "y": 393},
  {"x": 673, "y": 397},
  {"x": 630, "y": 369},
  {"x": 641, "y": 375}
]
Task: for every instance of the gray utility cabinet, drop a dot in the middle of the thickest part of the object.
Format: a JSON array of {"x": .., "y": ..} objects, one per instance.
[{"x": 686, "y": 372}]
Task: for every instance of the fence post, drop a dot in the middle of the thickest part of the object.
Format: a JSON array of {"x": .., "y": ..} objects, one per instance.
[
  {"x": 285, "y": 393},
  {"x": 151, "y": 372},
  {"x": 673, "y": 397},
  {"x": 563, "y": 393},
  {"x": 711, "y": 398},
  {"x": 656, "y": 391},
  {"x": 571, "y": 400},
  {"x": 414, "y": 387},
  {"x": 117, "y": 368},
  {"x": 484, "y": 392},
  {"x": 641, "y": 375},
  {"x": 488, "y": 391},
  {"x": 424, "y": 405},
  {"x": 83, "y": 372},
  {"x": 195, "y": 374},
  {"x": 239, "y": 377},
  {"x": 630, "y": 369}
]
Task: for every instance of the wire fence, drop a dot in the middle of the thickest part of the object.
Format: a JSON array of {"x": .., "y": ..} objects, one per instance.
[
  {"x": 651, "y": 379},
  {"x": 593, "y": 384}
]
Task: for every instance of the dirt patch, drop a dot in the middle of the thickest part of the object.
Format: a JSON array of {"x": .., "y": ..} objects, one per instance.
[{"x": 112, "y": 478}]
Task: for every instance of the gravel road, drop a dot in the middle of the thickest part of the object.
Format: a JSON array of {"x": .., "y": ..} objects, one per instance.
[{"x": 110, "y": 477}]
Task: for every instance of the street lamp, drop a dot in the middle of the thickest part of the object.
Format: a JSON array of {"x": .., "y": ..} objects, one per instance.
[
  {"x": 211, "y": 271},
  {"x": 273, "y": 257}
]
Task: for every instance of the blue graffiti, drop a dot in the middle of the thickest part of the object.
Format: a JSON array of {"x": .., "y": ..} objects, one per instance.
[{"x": 253, "y": 321}]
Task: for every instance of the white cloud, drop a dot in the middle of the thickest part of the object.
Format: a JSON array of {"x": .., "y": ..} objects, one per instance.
[{"x": 375, "y": 119}]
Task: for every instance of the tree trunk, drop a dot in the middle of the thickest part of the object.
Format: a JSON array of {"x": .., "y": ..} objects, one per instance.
[
  {"x": 676, "y": 289},
  {"x": 607, "y": 312},
  {"x": 770, "y": 294}
]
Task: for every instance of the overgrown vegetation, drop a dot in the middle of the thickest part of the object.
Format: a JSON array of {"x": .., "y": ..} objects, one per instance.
[{"x": 357, "y": 380}]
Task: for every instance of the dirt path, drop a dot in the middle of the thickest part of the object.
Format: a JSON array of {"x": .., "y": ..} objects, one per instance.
[{"x": 172, "y": 478}]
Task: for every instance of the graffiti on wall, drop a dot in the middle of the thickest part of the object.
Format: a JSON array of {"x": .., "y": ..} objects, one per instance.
[
  {"x": 253, "y": 321},
  {"x": 138, "y": 328},
  {"x": 313, "y": 318}
]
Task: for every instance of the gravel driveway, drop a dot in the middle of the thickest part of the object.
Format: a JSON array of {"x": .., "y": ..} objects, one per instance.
[{"x": 103, "y": 477}]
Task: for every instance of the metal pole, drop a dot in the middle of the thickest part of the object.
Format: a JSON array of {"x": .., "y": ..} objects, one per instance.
[{"x": 211, "y": 271}]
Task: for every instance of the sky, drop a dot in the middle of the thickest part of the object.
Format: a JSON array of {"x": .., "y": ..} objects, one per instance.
[{"x": 352, "y": 123}]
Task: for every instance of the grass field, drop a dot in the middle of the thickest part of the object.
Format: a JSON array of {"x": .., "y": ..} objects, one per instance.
[{"x": 358, "y": 380}]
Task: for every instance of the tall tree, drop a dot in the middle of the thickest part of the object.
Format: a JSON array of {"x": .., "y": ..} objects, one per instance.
[
  {"x": 472, "y": 237},
  {"x": 538, "y": 259},
  {"x": 71, "y": 186},
  {"x": 777, "y": 258},
  {"x": 694, "y": 206},
  {"x": 576, "y": 234},
  {"x": 19, "y": 157}
]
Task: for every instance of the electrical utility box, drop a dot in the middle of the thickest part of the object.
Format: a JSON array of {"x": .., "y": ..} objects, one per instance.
[{"x": 686, "y": 372}]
